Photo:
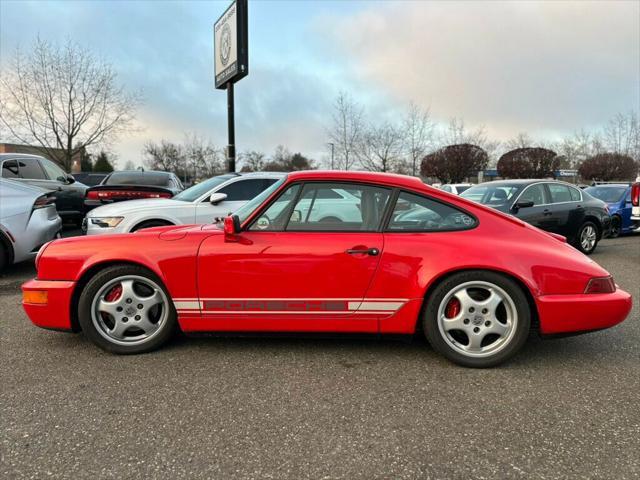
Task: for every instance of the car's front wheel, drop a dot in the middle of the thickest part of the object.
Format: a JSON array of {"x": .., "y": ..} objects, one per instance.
[
  {"x": 477, "y": 318},
  {"x": 125, "y": 309}
]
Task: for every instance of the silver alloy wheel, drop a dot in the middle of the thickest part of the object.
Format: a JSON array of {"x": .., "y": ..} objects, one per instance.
[
  {"x": 135, "y": 314},
  {"x": 485, "y": 310},
  {"x": 588, "y": 238}
]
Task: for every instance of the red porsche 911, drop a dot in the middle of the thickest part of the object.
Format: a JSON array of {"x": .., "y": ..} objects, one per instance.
[{"x": 340, "y": 252}]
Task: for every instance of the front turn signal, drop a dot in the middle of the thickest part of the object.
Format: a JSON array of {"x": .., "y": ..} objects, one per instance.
[
  {"x": 36, "y": 297},
  {"x": 600, "y": 285}
]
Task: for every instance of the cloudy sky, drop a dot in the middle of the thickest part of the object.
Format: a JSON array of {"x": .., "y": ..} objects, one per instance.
[{"x": 543, "y": 67}]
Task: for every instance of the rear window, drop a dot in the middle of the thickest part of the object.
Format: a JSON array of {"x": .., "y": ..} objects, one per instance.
[{"x": 139, "y": 178}]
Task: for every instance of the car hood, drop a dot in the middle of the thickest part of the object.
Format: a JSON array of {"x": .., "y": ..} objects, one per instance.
[{"x": 128, "y": 206}]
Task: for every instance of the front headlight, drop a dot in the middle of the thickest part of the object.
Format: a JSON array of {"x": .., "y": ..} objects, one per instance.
[{"x": 106, "y": 222}]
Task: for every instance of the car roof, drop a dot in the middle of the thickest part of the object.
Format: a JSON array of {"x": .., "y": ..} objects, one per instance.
[
  {"x": 526, "y": 181},
  {"x": 374, "y": 177},
  {"x": 142, "y": 172},
  {"x": 259, "y": 174},
  {"x": 4, "y": 156}
]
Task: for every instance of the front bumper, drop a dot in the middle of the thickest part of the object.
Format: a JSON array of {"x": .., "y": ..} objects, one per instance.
[
  {"x": 56, "y": 313},
  {"x": 582, "y": 312}
]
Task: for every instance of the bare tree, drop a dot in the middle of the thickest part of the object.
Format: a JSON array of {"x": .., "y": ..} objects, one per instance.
[
  {"x": 380, "y": 148},
  {"x": 346, "y": 130},
  {"x": 622, "y": 135},
  {"x": 418, "y": 130},
  {"x": 253, "y": 161},
  {"x": 167, "y": 156},
  {"x": 456, "y": 133},
  {"x": 522, "y": 140},
  {"x": 63, "y": 98},
  {"x": 202, "y": 158}
]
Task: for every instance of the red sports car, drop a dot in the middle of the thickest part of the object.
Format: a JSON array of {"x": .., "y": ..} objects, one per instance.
[{"x": 347, "y": 252}]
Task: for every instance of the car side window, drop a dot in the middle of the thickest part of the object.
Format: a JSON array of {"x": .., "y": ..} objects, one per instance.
[
  {"x": 534, "y": 193},
  {"x": 575, "y": 194},
  {"x": 276, "y": 215},
  {"x": 359, "y": 209},
  {"x": 416, "y": 213},
  {"x": 10, "y": 169},
  {"x": 559, "y": 193},
  {"x": 30, "y": 168},
  {"x": 245, "y": 190},
  {"x": 54, "y": 172}
]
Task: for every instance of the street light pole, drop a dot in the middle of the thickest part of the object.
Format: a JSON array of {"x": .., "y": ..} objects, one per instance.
[{"x": 332, "y": 147}]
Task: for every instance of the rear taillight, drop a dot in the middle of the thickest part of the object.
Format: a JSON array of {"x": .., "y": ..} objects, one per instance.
[
  {"x": 43, "y": 201},
  {"x": 600, "y": 285},
  {"x": 120, "y": 194},
  {"x": 635, "y": 194}
]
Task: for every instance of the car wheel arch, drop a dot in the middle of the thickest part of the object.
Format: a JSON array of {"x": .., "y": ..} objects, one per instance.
[
  {"x": 162, "y": 221},
  {"x": 6, "y": 242},
  {"x": 526, "y": 289},
  {"x": 88, "y": 274}
]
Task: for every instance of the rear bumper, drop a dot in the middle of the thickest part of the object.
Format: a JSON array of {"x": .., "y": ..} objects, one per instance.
[
  {"x": 582, "y": 312},
  {"x": 56, "y": 313},
  {"x": 43, "y": 226}
]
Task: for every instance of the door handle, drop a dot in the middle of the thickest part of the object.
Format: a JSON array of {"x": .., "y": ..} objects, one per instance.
[
  {"x": 547, "y": 212},
  {"x": 366, "y": 251}
]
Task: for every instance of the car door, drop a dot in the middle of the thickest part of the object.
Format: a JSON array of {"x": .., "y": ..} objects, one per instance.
[
  {"x": 294, "y": 272},
  {"x": 238, "y": 193},
  {"x": 567, "y": 212},
  {"x": 539, "y": 214}
]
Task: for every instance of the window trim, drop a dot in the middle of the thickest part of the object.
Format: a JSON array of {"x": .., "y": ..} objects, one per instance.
[
  {"x": 437, "y": 200},
  {"x": 545, "y": 184},
  {"x": 303, "y": 183}
]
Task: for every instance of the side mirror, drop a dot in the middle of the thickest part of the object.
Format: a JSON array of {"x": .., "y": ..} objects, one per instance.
[
  {"x": 216, "y": 198},
  {"x": 520, "y": 205},
  {"x": 231, "y": 228}
]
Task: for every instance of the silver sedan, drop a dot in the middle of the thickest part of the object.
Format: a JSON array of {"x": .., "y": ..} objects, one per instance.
[{"x": 28, "y": 220}]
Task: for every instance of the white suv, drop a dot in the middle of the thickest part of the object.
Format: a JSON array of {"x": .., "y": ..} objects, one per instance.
[{"x": 202, "y": 203}]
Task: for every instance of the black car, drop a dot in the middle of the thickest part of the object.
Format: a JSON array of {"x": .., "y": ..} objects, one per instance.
[
  {"x": 90, "y": 179},
  {"x": 553, "y": 206},
  {"x": 35, "y": 170},
  {"x": 133, "y": 185}
]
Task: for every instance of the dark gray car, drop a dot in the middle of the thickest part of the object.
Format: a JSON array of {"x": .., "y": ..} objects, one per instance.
[
  {"x": 43, "y": 173},
  {"x": 553, "y": 206}
]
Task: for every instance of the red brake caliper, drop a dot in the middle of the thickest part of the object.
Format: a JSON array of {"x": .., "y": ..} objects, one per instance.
[
  {"x": 453, "y": 308},
  {"x": 114, "y": 293}
]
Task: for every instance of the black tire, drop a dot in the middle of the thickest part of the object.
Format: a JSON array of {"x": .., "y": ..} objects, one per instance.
[
  {"x": 587, "y": 247},
  {"x": 3, "y": 256},
  {"x": 85, "y": 305},
  {"x": 151, "y": 223},
  {"x": 452, "y": 348},
  {"x": 616, "y": 225}
]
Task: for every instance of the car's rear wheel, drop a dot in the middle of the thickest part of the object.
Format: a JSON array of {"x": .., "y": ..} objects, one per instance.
[
  {"x": 477, "y": 318},
  {"x": 149, "y": 224},
  {"x": 125, "y": 309},
  {"x": 587, "y": 239},
  {"x": 616, "y": 224}
]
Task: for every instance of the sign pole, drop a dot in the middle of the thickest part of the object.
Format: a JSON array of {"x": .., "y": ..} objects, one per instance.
[{"x": 231, "y": 148}]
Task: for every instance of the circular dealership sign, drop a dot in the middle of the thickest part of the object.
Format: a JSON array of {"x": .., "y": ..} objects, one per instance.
[{"x": 225, "y": 44}]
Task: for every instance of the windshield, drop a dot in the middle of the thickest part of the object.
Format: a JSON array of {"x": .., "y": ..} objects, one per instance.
[
  {"x": 191, "y": 194},
  {"x": 247, "y": 209},
  {"x": 492, "y": 195},
  {"x": 607, "y": 194}
]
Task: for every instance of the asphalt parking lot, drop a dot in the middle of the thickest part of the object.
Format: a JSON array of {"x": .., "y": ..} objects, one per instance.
[{"x": 311, "y": 408}]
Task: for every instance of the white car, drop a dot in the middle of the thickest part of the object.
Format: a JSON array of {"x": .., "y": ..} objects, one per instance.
[
  {"x": 455, "y": 188},
  {"x": 28, "y": 220},
  {"x": 202, "y": 203}
]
